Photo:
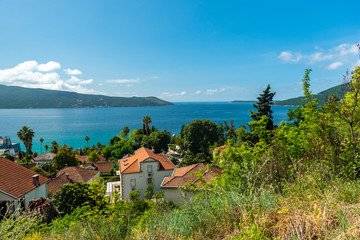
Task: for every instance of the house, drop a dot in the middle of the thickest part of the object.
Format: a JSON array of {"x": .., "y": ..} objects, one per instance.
[
  {"x": 173, "y": 184},
  {"x": 103, "y": 166},
  {"x": 44, "y": 158},
  {"x": 71, "y": 175},
  {"x": 19, "y": 184},
  {"x": 140, "y": 170},
  {"x": 84, "y": 159},
  {"x": 7, "y": 147}
]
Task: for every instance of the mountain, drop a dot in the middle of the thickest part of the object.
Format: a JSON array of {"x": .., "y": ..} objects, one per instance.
[
  {"x": 339, "y": 90},
  {"x": 19, "y": 97}
]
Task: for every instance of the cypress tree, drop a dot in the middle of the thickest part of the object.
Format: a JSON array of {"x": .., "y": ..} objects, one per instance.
[{"x": 263, "y": 107}]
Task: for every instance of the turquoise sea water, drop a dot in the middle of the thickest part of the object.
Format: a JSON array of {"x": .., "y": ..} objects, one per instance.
[{"x": 70, "y": 126}]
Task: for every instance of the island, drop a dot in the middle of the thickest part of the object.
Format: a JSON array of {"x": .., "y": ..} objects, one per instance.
[{"x": 20, "y": 97}]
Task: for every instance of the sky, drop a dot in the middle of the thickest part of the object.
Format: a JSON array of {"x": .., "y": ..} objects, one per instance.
[{"x": 177, "y": 50}]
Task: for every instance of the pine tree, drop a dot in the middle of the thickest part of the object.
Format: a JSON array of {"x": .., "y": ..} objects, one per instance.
[{"x": 263, "y": 107}]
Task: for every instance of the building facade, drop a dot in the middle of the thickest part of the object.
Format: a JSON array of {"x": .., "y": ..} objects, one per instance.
[
  {"x": 140, "y": 170},
  {"x": 7, "y": 147}
]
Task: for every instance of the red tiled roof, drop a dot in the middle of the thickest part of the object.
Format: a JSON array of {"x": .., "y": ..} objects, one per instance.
[
  {"x": 75, "y": 174},
  {"x": 131, "y": 164},
  {"x": 78, "y": 174},
  {"x": 183, "y": 175},
  {"x": 17, "y": 180},
  {"x": 101, "y": 166},
  {"x": 28, "y": 165},
  {"x": 84, "y": 159}
]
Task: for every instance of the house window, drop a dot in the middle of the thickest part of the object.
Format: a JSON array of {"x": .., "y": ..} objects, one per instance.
[
  {"x": 149, "y": 168},
  {"x": 149, "y": 181},
  {"x": 133, "y": 182}
]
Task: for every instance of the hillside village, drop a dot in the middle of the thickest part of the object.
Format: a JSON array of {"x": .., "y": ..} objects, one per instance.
[
  {"x": 135, "y": 172},
  {"x": 296, "y": 180}
]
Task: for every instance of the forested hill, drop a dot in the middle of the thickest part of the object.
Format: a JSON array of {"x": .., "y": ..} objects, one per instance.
[
  {"x": 339, "y": 90},
  {"x": 19, "y": 97}
]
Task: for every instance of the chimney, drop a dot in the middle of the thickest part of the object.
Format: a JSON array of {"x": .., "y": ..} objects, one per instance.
[
  {"x": 36, "y": 180},
  {"x": 67, "y": 177}
]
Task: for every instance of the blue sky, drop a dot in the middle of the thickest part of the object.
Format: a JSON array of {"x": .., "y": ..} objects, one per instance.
[{"x": 177, "y": 50}]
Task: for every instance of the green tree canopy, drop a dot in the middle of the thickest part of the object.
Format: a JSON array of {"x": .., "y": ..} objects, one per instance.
[
  {"x": 119, "y": 149},
  {"x": 198, "y": 135},
  {"x": 65, "y": 155},
  {"x": 157, "y": 140},
  {"x": 94, "y": 156}
]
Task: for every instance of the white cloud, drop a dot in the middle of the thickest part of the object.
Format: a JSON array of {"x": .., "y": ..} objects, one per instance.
[
  {"x": 31, "y": 74},
  {"x": 198, "y": 92},
  {"x": 213, "y": 91},
  {"x": 72, "y": 71},
  {"x": 123, "y": 81},
  {"x": 334, "y": 65},
  {"x": 347, "y": 49},
  {"x": 50, "y": 66},
  {"x": 75, "y": 80},
  {"x": 319, "y": 57},
  {"x": 326, "y": 58},
  {"x": 168, "y": 94},
  {"x": 289, "y": 57}
]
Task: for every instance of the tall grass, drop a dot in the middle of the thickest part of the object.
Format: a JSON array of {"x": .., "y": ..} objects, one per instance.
[
  {"x": 16, "y": 224},
  {"x": 209, "y": 216}
]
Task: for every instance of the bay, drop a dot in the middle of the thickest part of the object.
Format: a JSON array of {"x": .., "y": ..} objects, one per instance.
[{"x": 71, "y": 125}]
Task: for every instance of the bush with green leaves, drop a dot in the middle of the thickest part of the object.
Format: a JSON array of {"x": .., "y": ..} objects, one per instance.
[{"x": 73, "y": 195}]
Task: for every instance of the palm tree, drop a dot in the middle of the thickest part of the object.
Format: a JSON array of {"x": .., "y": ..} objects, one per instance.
[
  {"x": 26, "y": 134},
  {"x": 46, "y": 147},
  {"x": 87, "y": 140},
  {"x": 41, "y": 141},
  {"x": 146, "y": 122},
  {"x": 124, "y": 132}
]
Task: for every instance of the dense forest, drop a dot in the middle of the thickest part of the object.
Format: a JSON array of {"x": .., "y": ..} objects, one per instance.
[{"x": 297, "y": 180}]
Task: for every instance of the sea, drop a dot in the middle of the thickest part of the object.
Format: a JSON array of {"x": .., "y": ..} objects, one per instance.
[{"x": 70, "y": 125}]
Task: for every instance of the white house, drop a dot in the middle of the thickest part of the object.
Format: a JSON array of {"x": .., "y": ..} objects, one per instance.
[
  {"x": 19, "y": 184},
  {"x": 138, "y": 171},
  {"x": 173, "y": 186}
]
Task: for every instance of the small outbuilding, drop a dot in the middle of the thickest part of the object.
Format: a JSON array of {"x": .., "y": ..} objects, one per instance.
[{"x": 173, "y": 186}]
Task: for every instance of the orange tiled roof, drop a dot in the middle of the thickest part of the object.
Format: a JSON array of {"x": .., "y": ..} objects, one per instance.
[
  {"x": 16, "y": 180},
  {"x": 221, "y": 148},
  {"x": 131, "y": 164},
  {"x": 75, "y": 174},
  {"x": 183, "y": 175}
]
